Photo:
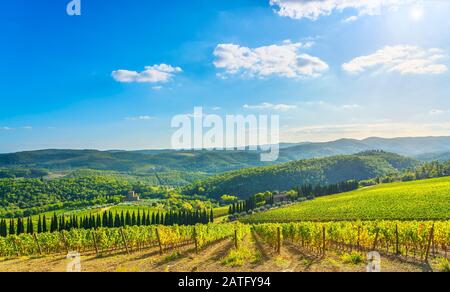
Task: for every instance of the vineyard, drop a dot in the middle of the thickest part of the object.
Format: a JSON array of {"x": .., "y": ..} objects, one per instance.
[
  {"x": 415, "y": 240},
  {"x": 104, "y": 240},
  {"x": 417, "y": 200}
]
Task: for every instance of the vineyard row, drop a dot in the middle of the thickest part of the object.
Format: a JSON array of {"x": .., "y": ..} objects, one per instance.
[{"x": 414, "y": 239}]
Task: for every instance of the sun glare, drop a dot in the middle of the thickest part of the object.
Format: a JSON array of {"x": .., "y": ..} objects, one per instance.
[{"x": 416, "y": 13}]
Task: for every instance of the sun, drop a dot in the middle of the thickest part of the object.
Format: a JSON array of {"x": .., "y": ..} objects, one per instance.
[{"x": 416, "y": 13}]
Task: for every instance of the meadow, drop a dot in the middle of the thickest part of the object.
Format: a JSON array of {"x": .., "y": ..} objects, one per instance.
[{"x": 416, "y": 200}]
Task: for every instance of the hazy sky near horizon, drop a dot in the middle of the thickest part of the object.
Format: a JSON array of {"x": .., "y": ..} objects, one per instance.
[{"x": 114, "y": 77}]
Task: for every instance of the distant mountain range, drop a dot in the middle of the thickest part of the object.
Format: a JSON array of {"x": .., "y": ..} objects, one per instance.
[
  {"x": 212, "y": 162},
  {"x": 411, "y": 147}
]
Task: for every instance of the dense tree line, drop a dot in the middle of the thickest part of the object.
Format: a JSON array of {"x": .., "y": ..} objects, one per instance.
[
  {"x": 105, "y": 220},
  {"x": 319, "y": 191},
  {"x": 22, "y": 173},
  {"x": 427, "y": 170},
  {"x": 25, "y": 197}
]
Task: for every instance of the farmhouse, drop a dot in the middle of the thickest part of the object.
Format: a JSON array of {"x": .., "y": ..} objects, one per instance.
[
  {"x": 280, "y": 197},
  {"x": 132, "y": 197}
]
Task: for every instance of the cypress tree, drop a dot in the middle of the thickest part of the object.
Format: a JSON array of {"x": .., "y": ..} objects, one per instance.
[
  {"x": 3, "y": 229},
  {"x": 39, "y": 224},
  {"x": 133, "y": 219},
  {"x": 44, "y": 224},
  {"x": 138, "y": 219},
  {"x": 149, "y": 222},
  {"x": 122, "y": 219},
  {"x": 153, "y": 219},
  {"x": 99, "y": 221},
  {"x": 111, "y": 220},
  {"x": 12, "y": 230},
  {"x": 20, "y": 226},
  {"x": 167, "y": 219},
  {"x": 144, "y": 219},
  {"x": 91, "y": 222},
  {"x": 62, "y": 223},
  {"x": 211, "y": 216},
  {"x": 117, "y": 221},
  {"x": 105, "y": 220},
  {"x": 54, "y": 224},
  {"x": 30, "y": 227},
  {"x": 128, "y": 219}
]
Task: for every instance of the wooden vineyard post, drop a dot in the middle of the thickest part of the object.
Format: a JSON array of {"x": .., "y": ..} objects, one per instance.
[
  {"x": 124, "y": 240},
  {"x": 358, "y": 243},
  {"x": 279, "y": 240},
  {"x": 95, "y": 241},
  {"x": 37, "y": 243},
  {"x": 375, "y": 242},
  {"x": 195, "y": 240},
  {"x": 16, "y": 248},
  {"x": 430, "y": 239},
  {"x": 397, "y": 242},
  {"x": 324, "y": 242},
  {"x": 236, "y": 241},
  {"x": 65, "y": 241},
  {"x": 161, "y": 250}
]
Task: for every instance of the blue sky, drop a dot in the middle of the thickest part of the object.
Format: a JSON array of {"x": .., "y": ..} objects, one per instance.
[{"x": 114, "y": 77}]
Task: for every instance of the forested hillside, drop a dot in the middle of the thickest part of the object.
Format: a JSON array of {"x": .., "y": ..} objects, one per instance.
[
  {"x": 35, "y": 195},
  {"x": 246, "y": 182}
]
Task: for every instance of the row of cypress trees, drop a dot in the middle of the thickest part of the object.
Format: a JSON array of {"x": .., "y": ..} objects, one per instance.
[
  {"x": 106, "y": 220},
  {"x": 18, "y": 228},
  {"x": 243, "y": 206},
  {"x": 331, "y": 189}
]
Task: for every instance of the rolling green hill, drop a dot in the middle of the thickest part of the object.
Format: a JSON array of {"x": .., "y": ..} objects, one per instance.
[
  {"x": 417, "y": 200},
  {"x": 436, "y": 156},
  {"x": 125, "y": 161},
  {"x": 247, "y": 182}
]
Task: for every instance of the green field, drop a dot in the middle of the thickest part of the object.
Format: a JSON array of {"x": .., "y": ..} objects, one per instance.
[{"x": 417, "y": 200}]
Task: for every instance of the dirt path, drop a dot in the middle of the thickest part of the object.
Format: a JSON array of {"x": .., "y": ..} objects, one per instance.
[
  {"x": 304, "y": 261},
  {"x": 207, "y": 260}
]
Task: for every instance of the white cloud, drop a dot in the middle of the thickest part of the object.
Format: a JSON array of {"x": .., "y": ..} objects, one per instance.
[
  {"x": 350, "y": 19},
  {"x": 313, "y": 9},
  {"x": 319, "y": 133},
  {"x": 322, "y": 105},
  {"x": 140, "y": 118},
  {"x": 403, "y": 59},
  {"x": 350, "y": 106},
  {"x": 6, "y": 128},
  {"x": 283, "y": 60},
  {"x": 270, "y": 106},
  {"x": 152, "y": 74},
  {"x": 216, "y": 108},
  {"x": 438, "y": 112}
]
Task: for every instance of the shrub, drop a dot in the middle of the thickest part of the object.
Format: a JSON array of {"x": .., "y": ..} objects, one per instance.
[{"x": 352, "y": 258}]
